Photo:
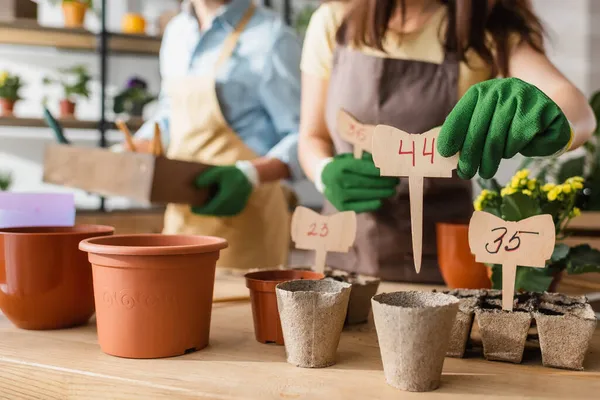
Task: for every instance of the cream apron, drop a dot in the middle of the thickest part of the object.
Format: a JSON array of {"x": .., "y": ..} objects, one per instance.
[{"x": 259, "y": 236}]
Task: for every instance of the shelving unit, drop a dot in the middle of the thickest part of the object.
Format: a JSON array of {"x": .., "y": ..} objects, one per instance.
[{"x": 133, "y": 124}]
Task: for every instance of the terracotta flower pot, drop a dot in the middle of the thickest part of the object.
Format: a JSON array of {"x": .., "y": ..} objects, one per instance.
[
  {"x": 413, "y": 329},
  {"x": 457, "y": 264},
  {"x": 312, "y": 318},
  {"x": 267, "y": 326},
  {"x": 67, "y": 109},
  {"x": 74, "y": 14},
  {"x": 7, "y": 107},
  {"x": 153, "y": 292},
  {"x": 47, "y": 281}
]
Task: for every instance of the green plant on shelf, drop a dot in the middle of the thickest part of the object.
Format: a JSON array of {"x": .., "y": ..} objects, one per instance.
[
  {"x": 303, "y": 18},
  {"x": 133, "y": 98},
  {"x": 10, "y": 84},
  {"x": 587, "y": 165},
  {"x": 525, "y": 197},
  {"x": 74, "y": 81},
  {"x": 5, "y": 181}
]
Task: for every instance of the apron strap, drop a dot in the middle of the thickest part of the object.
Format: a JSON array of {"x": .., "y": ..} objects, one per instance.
[{"x": 232, "y": 39}]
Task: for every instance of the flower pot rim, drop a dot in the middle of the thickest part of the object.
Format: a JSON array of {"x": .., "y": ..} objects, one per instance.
[
  {"x": 453, "y": 224},
  {"x": 84, "y": 229},
  {"x": 190, "y": 244},
  {"x": 339, "y": 287},
  {"x": 256, "y": 280},
  {"x": 446, "y": 300}
]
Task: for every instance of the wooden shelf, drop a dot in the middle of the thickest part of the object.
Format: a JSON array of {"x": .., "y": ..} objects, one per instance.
[
  {"x": 29, "y": 33},
  {"x": 133, "y": 124}
]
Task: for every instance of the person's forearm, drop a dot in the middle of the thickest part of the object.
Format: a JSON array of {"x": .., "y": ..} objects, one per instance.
[
  {"x": 577, "y": 110},
  {"x": 271, "y": 169},
  {"x": 311, "y": 151}
]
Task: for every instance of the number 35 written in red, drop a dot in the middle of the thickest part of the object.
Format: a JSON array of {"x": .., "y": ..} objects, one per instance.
[{"x": 425, "y": 152}]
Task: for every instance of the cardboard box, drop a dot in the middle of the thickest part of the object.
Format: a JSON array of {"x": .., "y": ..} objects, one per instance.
[
  {"x": 137, "y": 176},
  {"x": 11, "y": 10}
]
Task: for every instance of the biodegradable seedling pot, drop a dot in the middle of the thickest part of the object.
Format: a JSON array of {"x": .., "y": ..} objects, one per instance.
[
  {"x": 312, "y": 318},
  {"x": 47, "y": 281},
  {"x": 503, "y": 333},
  {"x": 461, "y": 329},
  {"x": 413, "y": 329},
  {"x": 267, "y": 326},
  {"x": 565, "y": 333},
  {"x": 153, "y": 293},
  {"x": 363, "y": 289},
  {"x": 457, "y": 264}
]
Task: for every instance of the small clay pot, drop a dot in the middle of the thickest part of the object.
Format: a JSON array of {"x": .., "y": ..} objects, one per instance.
[
  {"x": 267, "y": 326},
  {"x": 363, "y": 289},
  {"x": 7, "y": 107},
  {"x": 312, "y": 318},
  {"x": 47, "y": 281},
  {"x": 74, "y": 14},
  {"x": 413, "y": 329},
  {"x": 503, "y": 333},
  {"x": 565, "y": 333},
  {"x": 153, "y": 292},
  {"x": 67, "y": 109},
  {"x": 457, "y": 264}
]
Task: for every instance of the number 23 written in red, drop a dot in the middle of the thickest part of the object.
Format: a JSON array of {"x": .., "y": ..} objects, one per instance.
[
  {"x": 324, "y": 231},
  {"x": 425, "y": 153}
]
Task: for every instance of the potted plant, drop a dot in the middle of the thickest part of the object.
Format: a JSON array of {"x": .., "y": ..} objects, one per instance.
[
  {"x": 74, "y": 11},
  {"x": 524, "y": 197},
  {"x": 303, "y": 18},
  {"x": 75, "y": 81},
  {"x": 5, "y": 181},
  {"x": 9, "y": 92},
  {"x": 133, "y": 98}
]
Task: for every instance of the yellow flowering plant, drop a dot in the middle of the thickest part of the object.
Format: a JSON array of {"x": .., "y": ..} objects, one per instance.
[
  {"x": 10, "y": 84},
  {"x": 525, "y": 196},
  {"x": 5, "y": 181}
]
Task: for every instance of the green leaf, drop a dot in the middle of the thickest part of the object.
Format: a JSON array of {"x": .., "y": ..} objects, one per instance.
[
  {"x": 489, "y": 184},
  {"x": 518, "y": 206},
  {"x": 583, "y": 259},
  {"x": 496, "y": 277},
  {"x": 492, "y": 210},
  {"x": 569, "y": 168},
  {"x": 529, "y": 279},
  {"x": 561, "y": 251}
]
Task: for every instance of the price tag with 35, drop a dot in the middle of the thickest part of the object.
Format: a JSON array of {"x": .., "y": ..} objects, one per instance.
[{"x": 354, "y": 132}]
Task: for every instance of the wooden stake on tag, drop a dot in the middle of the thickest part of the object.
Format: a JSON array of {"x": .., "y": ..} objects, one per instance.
[
  {"x": 528, "y": 243},
  {"x": 313, "y": 231},
  {"x": 355, "y": 133},
  {"x": 401, "y": 154}
]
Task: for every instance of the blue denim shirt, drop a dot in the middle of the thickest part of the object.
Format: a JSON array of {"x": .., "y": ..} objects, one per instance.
[{"x": 258, "y": 88}]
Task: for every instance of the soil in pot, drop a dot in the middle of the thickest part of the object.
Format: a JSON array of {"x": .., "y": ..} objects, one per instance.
[
  {"x": 413, "y": 329},
  {"x": 74, "y": 14},
  {"x": 363, "y": 289},
  {"x": 6, "y": 107},
  {"x": 457, "y": 264},
  {"x": 67, "y": 109},
  {"x": 555, "y": 322},
  {"x": 503, "y": 333},
  {"x": 312, "y": 316},
  {"x": 47, "y": 281},
  {"x": 267, "y": 326},
  {"x": 153, "y": 293}
]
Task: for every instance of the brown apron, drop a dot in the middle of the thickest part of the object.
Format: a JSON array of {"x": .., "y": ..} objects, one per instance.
[
  {"x": 414, "y": 96},
  {"x": 259, "y": 236}
]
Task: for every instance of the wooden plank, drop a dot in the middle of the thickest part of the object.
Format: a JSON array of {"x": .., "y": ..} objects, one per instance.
[
  {"x": 125, "y": 222},
  {"x": 134, "y": 123},
  {"x": 588, "y": 220},
  {"x": 29, "y": 33},
  {"x": 69, "y": 364}
]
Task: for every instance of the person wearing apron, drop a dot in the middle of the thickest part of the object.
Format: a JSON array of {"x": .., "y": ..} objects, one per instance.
[
  {"x": 404, "y": 64},
  {"x": 248, "y": 79}
]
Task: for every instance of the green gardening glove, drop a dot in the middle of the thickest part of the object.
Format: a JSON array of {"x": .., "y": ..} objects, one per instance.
[
  {"x": 232, "y": 194},
  {"x": 499, "y": 118},
  {"x": 355, "y": 185}
]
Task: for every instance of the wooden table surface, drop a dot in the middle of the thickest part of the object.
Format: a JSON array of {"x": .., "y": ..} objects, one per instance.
[{"x": 68, "y": 364}]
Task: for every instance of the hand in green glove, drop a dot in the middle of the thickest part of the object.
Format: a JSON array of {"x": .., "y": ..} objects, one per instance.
[
  {"x": 355, "y": 185},
  {"x": 497, "y": 119},
  {"x": 233, "y": 191}
]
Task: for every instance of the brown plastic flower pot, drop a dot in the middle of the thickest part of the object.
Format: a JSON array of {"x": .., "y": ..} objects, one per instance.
[
  {"x": 457, "y": 264},
  {"x": 267, "y": 326},
  {"x": 153, "y": 292},
  {"x": 47, "y": 281}
]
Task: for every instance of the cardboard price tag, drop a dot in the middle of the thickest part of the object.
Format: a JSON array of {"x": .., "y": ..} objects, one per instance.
[
  {"x": 398, "y": 153},
  {"x": 313, "y": 231},
  {"x": 352, "y": 131},
  {"x": 528, "y": 243}
]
